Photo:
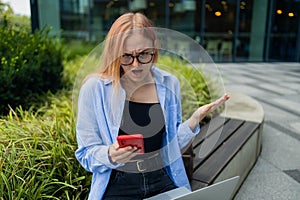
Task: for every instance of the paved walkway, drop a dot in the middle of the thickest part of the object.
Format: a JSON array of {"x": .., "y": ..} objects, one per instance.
[{"x": 276, "y": 86}]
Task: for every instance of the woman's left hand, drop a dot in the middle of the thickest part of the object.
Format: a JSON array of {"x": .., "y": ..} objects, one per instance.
[{"x": 204, "y": 110}]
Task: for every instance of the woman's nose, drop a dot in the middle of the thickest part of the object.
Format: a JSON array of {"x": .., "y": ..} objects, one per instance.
[{"x": 135, "y": 62}]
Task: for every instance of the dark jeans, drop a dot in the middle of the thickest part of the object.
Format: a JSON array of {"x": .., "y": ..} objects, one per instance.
[{"x": 123, "y": 185}]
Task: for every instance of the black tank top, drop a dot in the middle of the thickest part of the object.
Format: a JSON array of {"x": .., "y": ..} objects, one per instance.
[{"x": 146, "y": 119}]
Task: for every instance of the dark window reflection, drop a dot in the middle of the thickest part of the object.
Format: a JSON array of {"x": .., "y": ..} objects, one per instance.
[
  {"x": 229, "y": 30},
  {"x": 285, "y": 26}
]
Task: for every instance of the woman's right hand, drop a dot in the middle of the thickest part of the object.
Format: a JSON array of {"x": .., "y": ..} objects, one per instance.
[{"x": 122, "y": 155}]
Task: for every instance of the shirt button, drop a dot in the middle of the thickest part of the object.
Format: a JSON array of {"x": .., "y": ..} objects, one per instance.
[{"x": 174, "y": 175}]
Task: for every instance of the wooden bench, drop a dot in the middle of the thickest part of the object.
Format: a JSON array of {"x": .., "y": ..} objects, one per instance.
[{"x": 224, "y": 148}]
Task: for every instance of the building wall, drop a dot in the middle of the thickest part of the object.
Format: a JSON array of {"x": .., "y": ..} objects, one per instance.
[
  {"x": 47, "y": 15},
  {"x": 230, "y": 30}
]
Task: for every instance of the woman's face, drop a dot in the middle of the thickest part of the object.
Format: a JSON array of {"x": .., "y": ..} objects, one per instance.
[{"x": 137, "y": 58}]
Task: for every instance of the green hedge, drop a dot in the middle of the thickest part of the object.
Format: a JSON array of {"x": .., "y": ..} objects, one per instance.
[
  {"x": 31, "y": 64},
  {"x": 37, "y": 148},
  {"x": 197, "y": 88}
]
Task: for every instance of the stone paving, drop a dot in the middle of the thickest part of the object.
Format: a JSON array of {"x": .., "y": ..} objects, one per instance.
[{"x": 276, "y": 86}]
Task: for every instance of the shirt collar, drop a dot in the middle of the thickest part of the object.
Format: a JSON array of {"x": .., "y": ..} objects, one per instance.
[{"x": 107, "y": 81}]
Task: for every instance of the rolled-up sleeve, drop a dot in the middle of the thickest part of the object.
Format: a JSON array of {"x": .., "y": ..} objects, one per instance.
[{"x": 185, "y": 134}]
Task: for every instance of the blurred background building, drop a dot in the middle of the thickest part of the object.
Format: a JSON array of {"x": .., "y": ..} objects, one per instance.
[{"x": 230, "y": 30}]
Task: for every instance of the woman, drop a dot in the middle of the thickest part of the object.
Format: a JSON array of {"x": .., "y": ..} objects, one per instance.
[{"x": 130, "y": 95}]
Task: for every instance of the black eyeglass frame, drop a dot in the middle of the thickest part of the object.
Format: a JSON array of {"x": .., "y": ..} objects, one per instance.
[{"x": 137, "y": 57}]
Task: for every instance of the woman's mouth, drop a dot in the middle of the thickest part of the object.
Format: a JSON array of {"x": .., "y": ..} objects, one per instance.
[{"x": 137, "y": 72}]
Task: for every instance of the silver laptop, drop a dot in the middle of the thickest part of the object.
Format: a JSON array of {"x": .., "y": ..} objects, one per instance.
[{"x": 221, "y": 190}]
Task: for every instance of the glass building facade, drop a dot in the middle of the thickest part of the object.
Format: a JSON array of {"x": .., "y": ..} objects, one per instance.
[{"x": 230, "y": 30}]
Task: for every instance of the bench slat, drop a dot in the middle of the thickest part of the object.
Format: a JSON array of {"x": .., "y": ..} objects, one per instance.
[
  {"x": 211, "y": 168},
  {"x": 195, "y": 185},
  {"x": 209, "y": 129},
  {"x": 223, "y": 133}
]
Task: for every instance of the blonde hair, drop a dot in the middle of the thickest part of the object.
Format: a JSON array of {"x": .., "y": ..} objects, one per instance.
[{"x": 115, "y": 39}]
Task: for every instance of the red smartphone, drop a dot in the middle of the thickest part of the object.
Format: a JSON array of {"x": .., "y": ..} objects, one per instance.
[{"x": 135, "y": 140}]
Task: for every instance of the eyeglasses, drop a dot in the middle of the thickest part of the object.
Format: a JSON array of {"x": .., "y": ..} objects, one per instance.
[{"x": 144, "y": 57}]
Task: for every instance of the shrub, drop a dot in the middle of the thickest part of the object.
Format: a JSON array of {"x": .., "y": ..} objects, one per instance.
[
  {"x": 197, "y": 88},
  {"x": 71, "y": 69},
  {"x": 30, "y": 65},
  {"x": 77, "y": 48},
  {"x": 37, "y": 153}
]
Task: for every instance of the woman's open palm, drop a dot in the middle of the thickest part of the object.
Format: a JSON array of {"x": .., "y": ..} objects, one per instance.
[{"x": 204, "y": 110}]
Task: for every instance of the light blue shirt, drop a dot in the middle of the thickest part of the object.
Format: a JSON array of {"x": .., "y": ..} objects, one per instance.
[{"x": 98, "y": 121}]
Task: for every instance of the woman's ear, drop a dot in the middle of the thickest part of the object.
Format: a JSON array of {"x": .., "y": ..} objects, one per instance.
[{"x": 155, "y": 50}]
